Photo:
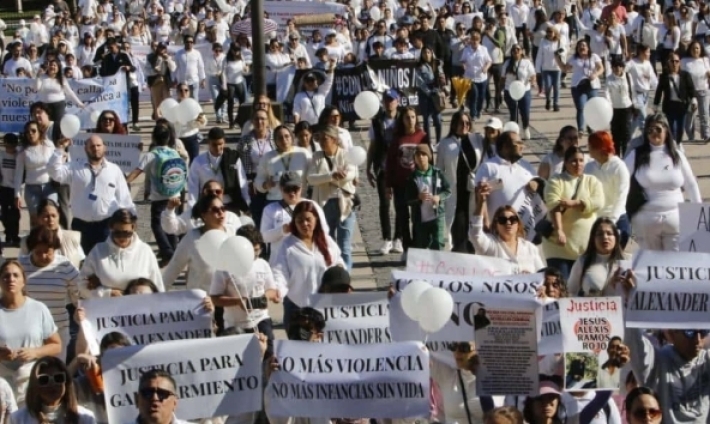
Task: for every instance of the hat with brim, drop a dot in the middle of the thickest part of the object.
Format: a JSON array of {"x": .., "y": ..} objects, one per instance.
[
  {"x": 548, "y": 388},
  {"x": 290, "y": 179}
]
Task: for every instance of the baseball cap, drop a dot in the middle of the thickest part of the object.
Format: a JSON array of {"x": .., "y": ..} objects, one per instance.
[
  {"x": 392, "y": 94},
  {"x": 548, "y": 387},
  {"x": 494, "y": 123},
  {"x": 335, "y": 279},
  {"x": 290, "y": 179}
]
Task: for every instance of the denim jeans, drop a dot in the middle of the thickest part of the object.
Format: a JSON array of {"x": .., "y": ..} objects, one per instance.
[
  {"x": 195, "y": 91},
  {"x": 522, "y": 106},
  {"x": 385, "y": 203},
  {"x": 290, "y": 308},
  {"x": 580, "y": 99},
  {"x": 676, "y": 120},
  {"x": 476, "y": 96},
  {"x": 35, "y": 193},
  {"x": 624, "y": 226},
  {"x": 167, "y": 243},
  {"x": 215, "y": 85},
  {"x": 562, "y": 265},
  {"x": 341, "y": 231},
  {"x": 192, "y": 145},
  {"x": 640, "y": 102},
  {"x": 551, "y": 81},
  {"x": 702, "y": 114},
  {"x": 428, "y": 110}
]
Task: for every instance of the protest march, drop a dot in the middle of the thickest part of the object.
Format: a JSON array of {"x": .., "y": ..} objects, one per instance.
[{"x": 354, "y": 211}]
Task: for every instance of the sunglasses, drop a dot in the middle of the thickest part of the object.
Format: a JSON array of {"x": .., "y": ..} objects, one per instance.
[
  {"x": 217, "y": 209},
  {"x": 122, "y": 234},
  {"x": 215, "y": 192},
  {"x": 149, "y": 392},
  {"x": 502, "y": 220},
  {"x": 108, "y": 119},
  {"x": 692, "y": 334},
  {"x": 461, "y": 347},
  {"x": 656, "y": 130},
  {"x": 642, "y": 413},
  {"x": 44, "y": 380}
]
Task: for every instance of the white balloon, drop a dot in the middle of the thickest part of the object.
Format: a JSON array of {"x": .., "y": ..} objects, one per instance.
[
  {"x": 236, "y": 256},
  {"x": 70, "y": 126},
  {"x": 512, "y": 127},
  {"x": 95, "y": 116},
  {"x": 410, "y": 298},
  {"x": 366, "y": 104},
  {"x": 167, "y": 109},
  {"x": 598, "y": 113},
  {"x": 356, "y": 156},
  {"x": 435, "y": 308},
  {"x": 208, "y": 246},
  {"x": 246, "y": 220},
  {"x": 516, "y": 90},
  {"x": 188, "y": 110}
]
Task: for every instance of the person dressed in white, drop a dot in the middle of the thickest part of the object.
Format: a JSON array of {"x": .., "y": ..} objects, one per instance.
[
  {"x": 54, "y": 90},
  {"x": 276, "y": 220},
  {"x": 191, "y": 67},
  {"x": 310, "y": 102},
  {"x": 31, "y": 171},
  {"x": 298, "y": 50},
  {"x": 123, "y": 257},
  {"x": 51, "y": 278},
  {"x": 644, "y": 81},
  {"x": 476, "y": 61},
  {"x": 662, "y": 171},
  {"x": 174, "y": 224},
  {"x": 286, "y": 159},
  {"x": 521, "y": 69},
  {"x": 697, "y": 64},
  {"x": 17, "y": 61}
]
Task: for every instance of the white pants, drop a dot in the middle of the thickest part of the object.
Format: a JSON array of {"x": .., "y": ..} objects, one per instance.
[
  {"x": 450, "y": 213},
  {"x": 65, "y": 337},
  {"x": 657, "y": 230}
]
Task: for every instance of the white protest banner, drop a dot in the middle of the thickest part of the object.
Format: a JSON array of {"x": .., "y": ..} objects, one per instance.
[
  {"x": 151, "y": 318},
  {"x": 462, "y": 322},
  {"x": 214, "y": 377},
  {"x": 590, "y": 325},
  {"x": 354, "y": 318},
  {"x": 521, "y": 285},
  {"x": 672, "y": 290},
  {"x": 282, "y": 11},
  {"x": 321, "y": 380},
  {"x": 439, "y": 262},
  {"x": 694, "y": 227},
  {"x": 550, "y": 341},
  {"x": 123, "y": 150},
  {"x": 506, "y": 341},
  {"x": 107, "y": 93}
]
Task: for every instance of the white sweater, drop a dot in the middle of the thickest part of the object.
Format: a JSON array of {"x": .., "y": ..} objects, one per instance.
[
  {"x": 545, "y": 60},
  {"x": 615, "y": 181},
  {"x": 300, "y": 269},
  {"x": 527, "y": 257},
  {"x": 116, "y": 267},
  {"x": 199, "y": 272},
  {"x": 50, "y": 91},
  {"x": 662, "y": 181},
  {"x": 32, "y": 163},
  {"x": 232, "y": 72},
  {"x": 596, "y": 279}
]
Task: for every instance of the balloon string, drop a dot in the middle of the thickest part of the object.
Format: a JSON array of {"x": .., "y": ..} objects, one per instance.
[{"x": 426, "y": 337}]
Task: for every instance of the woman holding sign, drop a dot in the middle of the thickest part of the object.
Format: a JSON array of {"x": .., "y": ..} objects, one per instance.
[{"x": 27, "y": 330}]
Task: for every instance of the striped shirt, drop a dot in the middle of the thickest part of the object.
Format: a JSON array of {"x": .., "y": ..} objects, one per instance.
[
  {"x": 7, "y": 169},
  {"x": 55, "y": 285}
]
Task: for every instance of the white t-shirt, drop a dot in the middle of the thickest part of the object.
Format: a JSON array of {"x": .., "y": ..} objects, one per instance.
[
  {"x": 25, "y": 327},
  {"x": 583, "y": 67},
  {"x": 254, "y": 284}
]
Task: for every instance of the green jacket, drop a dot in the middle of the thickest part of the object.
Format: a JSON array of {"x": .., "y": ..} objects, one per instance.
[{"x": 441, "y": 189}]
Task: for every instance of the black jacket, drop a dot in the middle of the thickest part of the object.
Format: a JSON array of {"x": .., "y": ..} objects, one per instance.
[
  {"x": 111, "y": 64},
  {"x": 379, "y": 145},
  {"x": 685, "y": 90},
  {"x": 433, "y": 40},
  {"x": 232, "y": 184}
]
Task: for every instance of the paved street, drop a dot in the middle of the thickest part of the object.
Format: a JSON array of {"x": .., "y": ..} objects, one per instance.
[{"x": 372, "y": 271}]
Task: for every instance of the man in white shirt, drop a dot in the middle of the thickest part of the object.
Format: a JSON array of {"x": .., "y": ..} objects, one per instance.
[
  {"x": 310, "y": 102},
  {"x": 610, "y": 371},
  {"x": 17, "y": 61},
  {"x": 213, "y": 70},
  {"x": 190, "y": 67},
  {"x": 221, "y": 28},
  {"x": 297, "y": 50},
  {"x": 476, "y": 61},
  {"x": 98, "y": 189}
]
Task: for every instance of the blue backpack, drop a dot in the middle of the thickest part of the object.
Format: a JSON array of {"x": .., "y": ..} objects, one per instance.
[{"x": 170, "y": 177}]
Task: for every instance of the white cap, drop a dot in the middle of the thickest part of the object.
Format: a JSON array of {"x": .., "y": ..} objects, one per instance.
[
  {"x": 493, "y": 123},
  {"x": 22, "y": 22},
  {"x": 511, "y": 127}
]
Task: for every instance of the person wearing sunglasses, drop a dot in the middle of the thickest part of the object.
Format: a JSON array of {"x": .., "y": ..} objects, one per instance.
[
  {"x": 31, "y": 174},
  {"x": 190, "y": 67},
  {"x": 189, "y": 132},
  {"x": 643, "y": 406},
  {"x": 157, "y": 398},
  {"x": 506, "y": 239},
  {"x": 179, "y": 225},
  {"x": 109, "y": 123},
  {"x": 662, "y": 176},
  {"x": 211, "y": 211},
  {"x": 51, "y": 396},
  {"x": 285, "y": 159},
  {"x": 112, "y": 264},
  {"x": 676, "y": 94},
  {"x": 158, "y": 68}
]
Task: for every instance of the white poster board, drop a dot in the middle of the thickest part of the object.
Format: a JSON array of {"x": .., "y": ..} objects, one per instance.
[
  {"x": 694, "y": 227},
  {"x": 354, "y": 318},
  {"x": 426, "y": 261},
  {"x": 123, "y": 150}
]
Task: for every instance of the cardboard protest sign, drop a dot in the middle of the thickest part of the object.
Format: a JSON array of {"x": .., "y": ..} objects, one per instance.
[
  {"x": 592, "y": 330},
  {"x": 214, "y": 377},
  {"x": 550, "y": 340},
  {"x": 672, "y": 290},
  {"x": 101, "y": 93},
  {"x": 150, "y": 318},
  {"x": 426, "y": 261},
  {"x": 320, "y": 380},
  {"x": 123, "y": 150},
  {"x": 354, "y": 318},
  {"x": 522, "y": 285},
  {"x": 506, "y": 341},
  {"x": 694, "y": 227}
]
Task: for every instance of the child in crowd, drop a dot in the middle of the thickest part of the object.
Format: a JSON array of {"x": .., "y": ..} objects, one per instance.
[
  {"x": 425, "y": 192},
  {"x": 10, "y": 214}
]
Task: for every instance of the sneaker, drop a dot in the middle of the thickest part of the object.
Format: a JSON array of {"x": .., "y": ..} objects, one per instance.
[
  {"x": 547, "y": 105},
  {"x": 526, "y": 134},
  {"x": 397, "y": 246},
  {"x": 556, "y": 108},
  {"x": 386, "y": 247},
  {"x": 135, "y": 128}
]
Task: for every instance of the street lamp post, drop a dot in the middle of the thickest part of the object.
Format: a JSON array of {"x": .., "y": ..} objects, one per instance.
[{"x": 257, "y": 36}]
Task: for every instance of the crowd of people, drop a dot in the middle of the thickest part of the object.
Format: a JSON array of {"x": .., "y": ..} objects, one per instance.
[{"x": 292, "y": 192}]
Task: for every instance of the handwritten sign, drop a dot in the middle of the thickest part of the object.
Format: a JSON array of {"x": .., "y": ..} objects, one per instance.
[{"x": 439, "y": 262}]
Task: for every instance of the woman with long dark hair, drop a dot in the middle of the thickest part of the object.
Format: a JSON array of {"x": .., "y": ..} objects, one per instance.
[
  {"x": 664, "y": 174},
  {"x": 304, "y": 256},
  {"x": 31, "y": 172},
  {"x": 697, "y": 64},
  {"x": 643, "y": 406},
  {"x": 331, "y": 115},
  {"x": 519, "y": 68},
  {"x": 54, "y": 90},
  {"x": 544, "y": 408},
  {"x": 429, "y": 82},
  {"x": 553, "y": 162},
  {"x": 234, "y": 84},
  {"x": 593, "y": 272},
  {"x": 109, "y": 123},
  {"x": 677, "y": 89},
  {"x": 586, "y": 68}
]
